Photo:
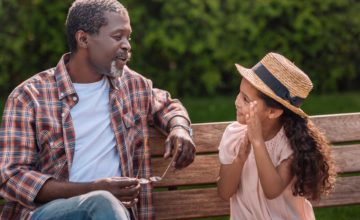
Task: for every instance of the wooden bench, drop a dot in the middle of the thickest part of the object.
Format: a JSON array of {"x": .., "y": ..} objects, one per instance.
[{"x": 191, "y": 192}]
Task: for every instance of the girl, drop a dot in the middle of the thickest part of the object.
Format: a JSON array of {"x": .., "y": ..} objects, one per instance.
[{"x": 273, "y": 158}]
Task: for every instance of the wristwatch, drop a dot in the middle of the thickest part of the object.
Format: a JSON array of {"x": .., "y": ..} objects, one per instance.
[{"x": 188, "y": 129}]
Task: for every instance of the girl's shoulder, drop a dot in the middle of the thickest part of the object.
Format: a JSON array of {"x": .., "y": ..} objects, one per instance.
[
  {"x": 230, "y": 142},
  {"x": 235, "y": 128},
  {"x": 279, "y": 148}
]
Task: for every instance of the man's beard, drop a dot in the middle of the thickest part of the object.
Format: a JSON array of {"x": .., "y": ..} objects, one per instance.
[{"x": 114, "y": 71}]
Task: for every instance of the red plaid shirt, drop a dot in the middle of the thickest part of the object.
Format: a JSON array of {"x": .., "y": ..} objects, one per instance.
[{"x": 37, "y": 136}]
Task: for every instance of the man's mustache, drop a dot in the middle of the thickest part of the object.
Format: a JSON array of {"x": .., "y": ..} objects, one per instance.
[{"x": 123, "y": 56}]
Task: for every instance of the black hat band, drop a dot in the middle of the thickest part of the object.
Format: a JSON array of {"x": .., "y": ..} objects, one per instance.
[{"x": 275, "y": 85}]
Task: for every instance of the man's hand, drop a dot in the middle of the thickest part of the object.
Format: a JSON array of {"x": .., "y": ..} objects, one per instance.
[
  {"x": 185, "y": 150},
  {"x": 124, "y": 188}
]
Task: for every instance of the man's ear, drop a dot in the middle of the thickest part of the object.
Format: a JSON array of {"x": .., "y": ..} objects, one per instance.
[
  {"x": 81, "y": 39},
  {"x": 275, "y": 113}
]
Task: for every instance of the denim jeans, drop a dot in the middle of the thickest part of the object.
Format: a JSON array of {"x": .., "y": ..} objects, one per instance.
[{"x": 94, "y": 205}]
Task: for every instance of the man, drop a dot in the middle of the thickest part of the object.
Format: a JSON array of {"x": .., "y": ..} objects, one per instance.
[{"x": 74, "y": 138}]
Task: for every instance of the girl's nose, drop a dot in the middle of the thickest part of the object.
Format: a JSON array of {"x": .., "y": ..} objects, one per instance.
[{"x": 238, "y": 101}]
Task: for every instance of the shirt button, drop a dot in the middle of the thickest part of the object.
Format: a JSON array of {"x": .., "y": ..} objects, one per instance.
[
  {"x": 75, "y": 98},
  {"x": 51, "y": 143},
  {"x": 63, "y": 114},
  {"x": 62, "y": 94}
]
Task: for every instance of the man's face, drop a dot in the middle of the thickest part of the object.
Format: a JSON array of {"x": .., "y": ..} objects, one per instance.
[{"x": 109, "y": 50}]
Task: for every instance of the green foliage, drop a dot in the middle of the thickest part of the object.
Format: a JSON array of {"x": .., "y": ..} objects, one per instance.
[
  {"x": 193, "y": 45},
  {"x": 32, "y": 38},
  {"x": 338, "y": 213},
  {"x": 190, "y": 47},
  {"x": 222, "y": 108}
]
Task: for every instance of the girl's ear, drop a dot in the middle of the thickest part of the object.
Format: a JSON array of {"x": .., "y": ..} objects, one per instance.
[{"x": 275, "y": 113}]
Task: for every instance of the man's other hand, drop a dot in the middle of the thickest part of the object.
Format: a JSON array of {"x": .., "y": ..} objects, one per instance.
[
  {"x": 179, "y": 141},
  {"x": 124, "y": 188}
]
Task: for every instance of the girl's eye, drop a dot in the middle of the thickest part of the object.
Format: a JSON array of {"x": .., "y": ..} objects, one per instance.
[{"x": 246, "y": 100}]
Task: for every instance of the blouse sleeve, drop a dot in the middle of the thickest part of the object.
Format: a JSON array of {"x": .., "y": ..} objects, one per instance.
[
  {"x": 285, "y": 151},
  {"x": 230, "y": 142}
]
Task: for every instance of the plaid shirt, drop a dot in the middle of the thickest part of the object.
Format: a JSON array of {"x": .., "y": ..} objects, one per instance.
[{"x": 37, "y": 136}]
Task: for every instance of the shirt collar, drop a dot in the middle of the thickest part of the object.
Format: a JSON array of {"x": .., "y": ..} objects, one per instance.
[
  {"x": 62, "y": 77},
  {"x": 116, "y": 82},
  {"x": 63, "y": 80}
]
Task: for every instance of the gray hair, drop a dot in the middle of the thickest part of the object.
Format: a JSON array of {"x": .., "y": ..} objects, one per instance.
[{"x": 88, "y": 16}]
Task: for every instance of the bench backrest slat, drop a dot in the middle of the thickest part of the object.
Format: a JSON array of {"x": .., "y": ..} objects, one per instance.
[
  {"x": 347, "y": 192},
  {"x": 186, "y": 204},
  {"x": 347, "y": 158},
  {"x": 207, "y": 136},
  {"x": 205, "y": 168},
  {"x": 339, "y": 127}
]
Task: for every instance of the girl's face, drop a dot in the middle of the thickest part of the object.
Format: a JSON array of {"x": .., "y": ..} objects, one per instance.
[{"x": 248, "y": 93}]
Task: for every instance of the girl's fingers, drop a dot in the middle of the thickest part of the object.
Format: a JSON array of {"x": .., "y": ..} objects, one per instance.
[
  {"x": 252, "y": 109},
  {"x": 244, "y": 148},
  {"x": 246, "y": 140}
]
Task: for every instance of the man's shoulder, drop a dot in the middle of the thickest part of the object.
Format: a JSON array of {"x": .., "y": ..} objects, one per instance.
[{"x": 42, "y": 80}]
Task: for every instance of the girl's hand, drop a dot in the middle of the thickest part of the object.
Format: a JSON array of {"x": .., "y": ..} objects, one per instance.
[
  {"x": 254, "y": 125},
  {"x": 244, "y": 149}
]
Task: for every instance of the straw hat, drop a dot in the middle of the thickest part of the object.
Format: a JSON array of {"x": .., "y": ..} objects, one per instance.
[{"x": 281, "y": 80}]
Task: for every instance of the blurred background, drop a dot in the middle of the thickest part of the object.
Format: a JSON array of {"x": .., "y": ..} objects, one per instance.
[{"x": 189, "y": 48}]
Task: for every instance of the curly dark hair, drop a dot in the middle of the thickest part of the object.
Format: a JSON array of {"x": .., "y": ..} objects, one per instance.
[
  {"x": 88, "y": 15},
  {"x": 312, "y": 164}
]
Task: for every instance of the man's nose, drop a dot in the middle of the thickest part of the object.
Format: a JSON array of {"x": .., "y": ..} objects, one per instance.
[{"x": 125, "y": 46}]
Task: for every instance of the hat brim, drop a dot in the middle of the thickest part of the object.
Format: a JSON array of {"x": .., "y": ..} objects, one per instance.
[{"x": 251, "y": 76}]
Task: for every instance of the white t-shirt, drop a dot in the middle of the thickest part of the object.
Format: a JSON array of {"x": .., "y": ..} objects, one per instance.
[{"x": 95, "y": 154}]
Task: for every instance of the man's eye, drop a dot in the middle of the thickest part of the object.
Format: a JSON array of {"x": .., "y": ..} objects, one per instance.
[{"x": 117, "y": 37}]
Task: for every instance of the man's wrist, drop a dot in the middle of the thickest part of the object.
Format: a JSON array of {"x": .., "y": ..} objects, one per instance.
[{"x": 187, "y": 128}]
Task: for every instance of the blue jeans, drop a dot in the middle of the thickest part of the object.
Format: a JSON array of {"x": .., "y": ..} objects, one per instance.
[{"x": 94, "y": 205}]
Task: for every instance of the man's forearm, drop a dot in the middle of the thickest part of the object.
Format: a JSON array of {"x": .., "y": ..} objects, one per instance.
[{"x": 54, "y": 189}]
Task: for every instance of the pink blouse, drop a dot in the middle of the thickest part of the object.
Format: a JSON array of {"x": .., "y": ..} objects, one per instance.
[{"x": 249, "y": 202}]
